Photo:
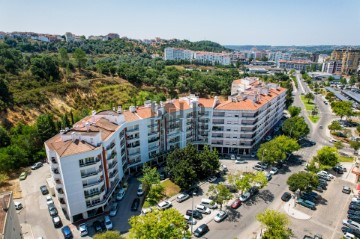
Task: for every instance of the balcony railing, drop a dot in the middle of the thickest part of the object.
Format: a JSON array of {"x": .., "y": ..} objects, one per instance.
[
  {"x": 89, "y": 162},
  {"x": 58, "y": 181},
  {"x": 85, "y": 175},
  {"x": 62, "y": 201},
  {"x": 112, "y": 164},
  {"x": 132, "y": 130},
  {"x": 55, "y": 170},
  {"x": 89, "y": 195},
  {"x": 87, "y": 185},
  {"x": 113, "y": 173},
  {"x": 112, "y": 155},
  {"x": 53, "y": 160},
  {"x": 153, "y": 140},
  {"x": 111, "y": 146}
]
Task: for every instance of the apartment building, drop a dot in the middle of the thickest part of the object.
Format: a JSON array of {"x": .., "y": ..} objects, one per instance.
[
  {"x": 92, "y": 158},
  {"x": 349, "y": 57},
  {"x": 9, "y": 222},
  {"x": 175, "y": 54},
  {"x": 332, "y": 67},
  {"x": 296, "y": 65},
  {"x": 277, "y": 56}
]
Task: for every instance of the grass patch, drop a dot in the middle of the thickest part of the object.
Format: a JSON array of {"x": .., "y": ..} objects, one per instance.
[
  {"x": 314, "y": 118},
  {"x": 171, "y": 188},
  {"x": 308, "y": 106},
  {"x": 346, "y": 159}
]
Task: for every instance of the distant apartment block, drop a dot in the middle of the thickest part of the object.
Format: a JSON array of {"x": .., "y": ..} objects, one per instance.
[
  {"x": 332, "y": 67},
  {"x": 349, "y": 57},
  {"x": 296, "y": 65},
  {"x": 322, "y": 58},
  {"x": 69, "y": 37},
  {"x": 197, "y": 56},
  {"x": 91, "y": 159},
  {"x": 9, "y": 222}
]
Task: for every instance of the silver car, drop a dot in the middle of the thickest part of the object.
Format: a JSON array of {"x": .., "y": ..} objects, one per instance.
[{"x": 113, "y": 210}]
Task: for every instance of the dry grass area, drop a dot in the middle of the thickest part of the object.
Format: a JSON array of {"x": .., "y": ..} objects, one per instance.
[
  {"x": 171, "y": 188},
  {"x": 13, "y": 183}
]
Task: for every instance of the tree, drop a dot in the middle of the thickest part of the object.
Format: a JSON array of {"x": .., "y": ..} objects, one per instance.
[
  {"x": 330, "y": 96},
  {"x": 294, "y": 110},
  {"x": 302, "y": 181},
  {"x": 210, "y": 162},
  {"x": 355, "y": 145},
  {"x": 150, "y": 176},
  {"x": 327, "y": 157},
  {"x": 338, "y": 145},
  {"x": 219, "y": 193},
  {"x": 335, "y": 125},
  {"x": 4, "y": 137},
  {"x": 80, "y": 58},
  {"x": 260, "y": 178},
  {"x": 45, "y": 126},
  {"x": 158, "y": 224},
  {"x": 352, "y": 81},
  {"x": 108, "y": 235},
  {"x": 242, "y": 182},
  {"x": 309, "y": 96},
  {"x": 155, "y": 194},
  {"x": 3, "y": 178},
  {"x": 63, "y": 56},
  {"x": 342, "y": 108},
  {"x": 343, "y": 80},
  {"x": 276, "y": 223},
  {"x": 5, "y": 95},
  {"x": 295, "y": 127}
]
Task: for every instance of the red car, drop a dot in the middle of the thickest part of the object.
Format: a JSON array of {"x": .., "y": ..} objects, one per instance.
[{"x": 236, "y": 204}]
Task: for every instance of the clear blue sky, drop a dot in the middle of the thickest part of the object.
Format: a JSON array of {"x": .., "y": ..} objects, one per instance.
[{"x": 270, "y": 22}]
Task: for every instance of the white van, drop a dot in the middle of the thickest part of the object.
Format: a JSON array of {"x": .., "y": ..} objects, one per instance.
[
  {"x": 208, "y": 203},
  {"x": 18, "y": 205}
]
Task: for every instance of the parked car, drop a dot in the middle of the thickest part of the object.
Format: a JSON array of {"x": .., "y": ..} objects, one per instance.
[
  {"x": 349, "y": 236},
  {"x": 220, "y": 216},
  {"x": 263, "y": 165},
  {"x": 201, "y": 230},
  {"x": 164, "y": 205},
  {"x": 140, "y": 191},
  {"x": 268, "y": 176},
  {"x": 245, "y": 196},
  {"x": 113, "y": 210},
  {"x": 83, "y": 229},
  {"x": 146, "y": 210},
  {"x": 253, "y": 155},
  {"x": 355, "y": 218},
  {"x": 232, "y": 157},
  {"x": 346, "y": 190},
  {"x": 338, "y": 169},
  {"x": 108, "y": 223},
  {"x": 23, "y": 176},
  {"x": 202, "y": 209},
  {"x": 56, "y": 221},
  {"x": 194, "y": 191},
  {"x": 351, "y": 224},
  {"x": 274, "y": 170},
  {"x": 67, "y": 232},
  {"x": 236, "y": 204},
  {"x": 355, "y": 199},
  {"x": 353, "y": 212},
  {"x": 182, "y": 197},
  {"x": 162, "y": 175},
  {"x": 253, "y": 190},
  {"x": 49, "y": 200},
  {"x": 306, "y": 203},
  {"x": 36, "y": 165},
  {"x": 121, "y": 194},
  {"x": 212, "y": 179},
  {"x": 240, "y": 161},
  {"x": 286, "y": 196},
  {"x": 97, "y": 226},
  {"x": 195, "y": 214},
  {"x": 208, "y": 203},
  {"x": 52, "y": 210},
  {"x": 354, "y": 207},
  {"x": 268, "y": 138},
  {"x": 190, "y": 220},
  {"x": 44, "y": 190},
  {"x": 351, "y": 230},
  {"x": 135, "y": 204},
  {"x": 258, "y": 168},
  {"x": 18, "y": 205}
]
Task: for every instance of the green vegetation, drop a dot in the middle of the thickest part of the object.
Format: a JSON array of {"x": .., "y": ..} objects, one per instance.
[
  {"x": 244, "y": 181},
  {"x": 276, "y": 223},
  {"x": 186, "y": 166},
  {"x": 276, "y": 149},
  {"x": 295, "y": 127},
  {"x": 309, "y": 106},
  {"x": 109, "y": 235},
  {"x": 342, "y": 108},
  {"x": 314, "y": 118},
  {"x": 170, "y": 188},
  {"x": 294, "y": 110},
  {"x": 346, "y": 159},
  {"x": 327, "y": 157},
  {"x": 219, "y": 193},
  {"x": 158, "y": 224},
  {"x": 302, "y": 181}
]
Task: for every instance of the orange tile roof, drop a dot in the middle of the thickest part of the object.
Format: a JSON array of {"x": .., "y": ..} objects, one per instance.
[
  {"x": 207, "y": 103},
  {"x": 129, "y": 117},
  {"x": 66, "y": 148}
]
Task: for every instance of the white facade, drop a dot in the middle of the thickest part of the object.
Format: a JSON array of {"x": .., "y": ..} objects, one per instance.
[
  {"x": 9, "y": 222},
  {"x": 90, "y": 160},
  {"x": 178, "y": 54},
  {"x": 213, "y": 58},
  {"x": 277, "y": 56},
  {"x": 69, "y": 37},
  {"x": 332, "y": 67}
]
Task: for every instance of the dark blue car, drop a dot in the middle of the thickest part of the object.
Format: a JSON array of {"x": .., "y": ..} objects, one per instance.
[{"x": 67, "y": 232}]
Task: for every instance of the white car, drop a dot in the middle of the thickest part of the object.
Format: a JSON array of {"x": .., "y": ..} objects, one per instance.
[
  {"x": 140, "y": 191},
  {"x": 274, "y": 170},
  {"x": 212, "y": 179},
  {"x": 325, "y": 173},
  {"x": 332, "y": 141},
  {"x": 121, "y": 194},
  {"x": 164, "y": 205},
  {"x": 18, "y": 205},
  {"x": 83, "y": 230},
  {"x": 232, "y": 157},
  {"x": 146, "y": 210},
  {"x": 190, "y": 220},
  {"x": 355, "y": 200},
  {"x": 108, "y": 223},
  {"x": 238, "y": 157},
  {"x": 220, "y": 216},
  {"x": 239, "y": 161},
  {"x": 203, "y": 209},
  {"x": 182, "y": 197},
  {"x": 245, "y": 196},
  {"x": 351, "y": 224},
  {"x": 49, "y": 200},
  {"x": 348, "y": 235},
  {"x": 113, "y": 210}
]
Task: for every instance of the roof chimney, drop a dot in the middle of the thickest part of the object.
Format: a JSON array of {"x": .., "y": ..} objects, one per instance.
[
  {"x": 87, "y": 125},
  {"x": 119, "y": 110},
  {"x": 73, "y": 136},
  {"x": 132, "y": 109}
]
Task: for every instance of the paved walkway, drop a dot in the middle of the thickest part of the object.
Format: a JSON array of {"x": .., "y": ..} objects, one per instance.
[{"x": 290, "y": 209}]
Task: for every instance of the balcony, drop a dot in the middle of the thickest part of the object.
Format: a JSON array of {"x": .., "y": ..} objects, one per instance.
[
  {"x": 58, "y": 181},
  {"x": 89, "y": 163},
  {"x": 53, "y": 160},
  {"x": 174, "y": 132},
  {"x": 153, "y": 140},
  {"x": 93, "y": 194},
  {"x": 112, "y": 155},
  {"x": 217, "y": 129},
  {"x": 62, "y": 201},
  {"x": 132, "y": 130},
  {"x": 113, "y": 174},
  {"x": 133, "y": 146},
  {"x": 87, "y": 185},
  {"x": 113, "y": 164},
  {"x": 86, "y": 175},
  {"x": 111, "y": 146},
  {"x": 152, "y": 133},
  {"x": 55, "y": 170},
  {"x": 60, "y": 191}
]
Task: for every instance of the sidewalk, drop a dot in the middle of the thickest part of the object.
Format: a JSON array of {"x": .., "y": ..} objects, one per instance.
[{"x": 290, "y": 209}]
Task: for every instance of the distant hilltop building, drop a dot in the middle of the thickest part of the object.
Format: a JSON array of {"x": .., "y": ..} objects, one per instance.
[
  {"x": 349, "y": 58},
  {"x": 91, "y": 159},
  {"x": 213, "y": 58}
]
